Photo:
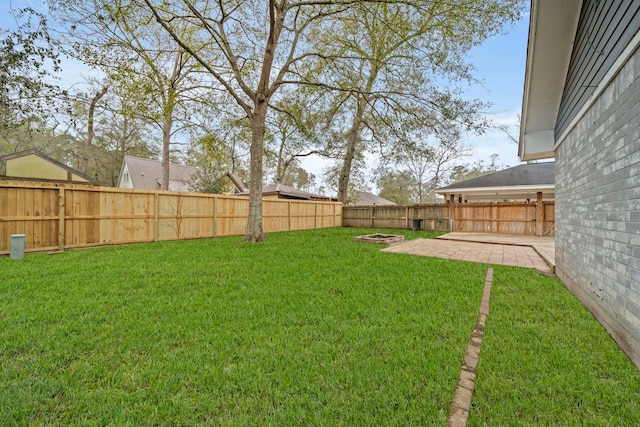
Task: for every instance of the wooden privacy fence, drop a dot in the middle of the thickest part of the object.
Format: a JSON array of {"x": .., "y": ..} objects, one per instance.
[
  {"x": 506, "y": 218},
  {"x": 434, "y": 217},
  {"x": 509, "y": 218},
  {"x": 58, "y": 217}
]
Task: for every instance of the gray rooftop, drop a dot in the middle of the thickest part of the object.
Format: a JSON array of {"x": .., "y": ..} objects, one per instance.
[
  {"x": 522, "y": 181},
  {"x": 369, "y": 199},
  {"x": 147, "y": 174},
  {"x": 288, "y": 192},
  {"x": 527, "y": 174}
]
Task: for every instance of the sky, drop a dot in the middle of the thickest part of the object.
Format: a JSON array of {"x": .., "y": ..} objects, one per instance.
[{"x": 499, "y": 63}]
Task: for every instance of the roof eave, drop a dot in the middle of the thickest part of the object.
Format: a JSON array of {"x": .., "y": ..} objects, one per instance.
[
  {"x": 552, "y": 30},
  {"x": 531, "y": 189}
]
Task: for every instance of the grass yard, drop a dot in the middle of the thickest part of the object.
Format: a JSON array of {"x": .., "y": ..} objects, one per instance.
[
  {"x": 546, "y": 361},
  {"x": 308, "y": 328}
]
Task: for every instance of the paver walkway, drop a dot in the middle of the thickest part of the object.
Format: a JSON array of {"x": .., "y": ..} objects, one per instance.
[
  {"x": 544, "y": 245},
  {"x": 489, "y": 253}
]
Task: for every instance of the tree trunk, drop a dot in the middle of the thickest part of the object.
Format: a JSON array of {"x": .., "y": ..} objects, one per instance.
[
  {"x": 282, "y": 166},
  {"x": 88, "y": 148},
  {"x": 255, "y": 232},
  {"x": 352, "y": 141},
  {"x": 166, "y": 142}
]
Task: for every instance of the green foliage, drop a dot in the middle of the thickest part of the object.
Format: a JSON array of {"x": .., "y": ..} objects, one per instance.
[
  {"x": 214, "y": 158},
  {"x": 394, "y": 62},
  {"x": 28, "y": 60},
  {"x": 396, "y": 187},
  {"x": 469, "y": 171},
  {"x": 299, "y": 178},
  {"x": 358, "y": 181},
  {"x": 210, "y": 180}
]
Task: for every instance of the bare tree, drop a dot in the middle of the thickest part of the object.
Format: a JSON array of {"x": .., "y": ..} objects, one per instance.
[
  {"x": 90, "y": 132},
  {"x": 445, "y": 155},
  {"x": 393, "y": 59},
  {"x": 425, "y": 158},
  {"x": 253, "y": 50},
  {"x": 140, "y": 60}
]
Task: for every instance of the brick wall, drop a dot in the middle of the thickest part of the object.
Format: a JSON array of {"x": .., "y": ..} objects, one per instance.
[{"x": 598, "y": 209}]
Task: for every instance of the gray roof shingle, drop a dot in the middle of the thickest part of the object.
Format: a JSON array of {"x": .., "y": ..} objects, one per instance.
[
  {"x": 146, "y": 174},
  {"x": 368, "y": 199},
  {"x": 527, "y": 174}
]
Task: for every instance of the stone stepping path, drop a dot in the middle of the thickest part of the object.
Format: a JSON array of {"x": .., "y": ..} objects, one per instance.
[{"x": 461, "y": 404}]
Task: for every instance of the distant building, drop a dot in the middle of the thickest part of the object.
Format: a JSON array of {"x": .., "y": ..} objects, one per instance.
[
  {"x": 32, "y": 165},
  {"x": 236, "y": 183},
  {"x": 146, "y": 174},
  {"x": 274, "y": 191},
  {"x": 365, "y": 198}
]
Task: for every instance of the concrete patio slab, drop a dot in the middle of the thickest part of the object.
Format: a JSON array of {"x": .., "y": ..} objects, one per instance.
[
  {"x": 517, "y": 255},
  {"x": 545, "y": 246}
]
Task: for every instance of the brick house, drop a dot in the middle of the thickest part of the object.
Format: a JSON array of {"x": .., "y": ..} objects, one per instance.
[{"x": 582, "y": 107}]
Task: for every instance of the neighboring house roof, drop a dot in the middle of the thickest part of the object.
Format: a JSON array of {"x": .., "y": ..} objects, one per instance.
[
  {"x": 33, "y": 165},
  {"x": 369, "y": 199},
  {"x": 552, "y": 31},
  {"x": 281, "y": 190},
  {"x": 287, "y": 192},
  {"x": 237, "y": 182},
  {"x": 519, "y": 182},
  {"x": 146, "y": 174}
]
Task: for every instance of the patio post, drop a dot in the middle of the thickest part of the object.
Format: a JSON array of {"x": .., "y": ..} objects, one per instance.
[
  {"x": 539, "y": 215},
  {"x": 452, "y": 200}
]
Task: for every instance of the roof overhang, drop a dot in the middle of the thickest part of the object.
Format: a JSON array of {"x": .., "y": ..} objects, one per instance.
[
  {"x": 552, "y": 30},
  {"x": 518, "y": 192}
]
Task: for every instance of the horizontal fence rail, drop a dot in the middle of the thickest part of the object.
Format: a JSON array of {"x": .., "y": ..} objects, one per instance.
[
  {"x": 508, "y": 218},
  {"x": 59, "y": 217}
]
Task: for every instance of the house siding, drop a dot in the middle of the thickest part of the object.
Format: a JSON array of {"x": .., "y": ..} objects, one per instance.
[
  {"x": 604, "y": 30},
  {"x": 598, "y": 208}
]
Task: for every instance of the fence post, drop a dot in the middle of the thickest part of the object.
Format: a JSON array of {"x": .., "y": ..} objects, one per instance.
[
  {"x": 406, "y": 219},
  {"x": 452, "y": 199},
  {"x": 61, "y": 218},
  {"x": 289, "y": 214},
  {"x": 156, "y": 217},
  {"x": 215, "y": 217},
  {"x": 373, "y": 219}
]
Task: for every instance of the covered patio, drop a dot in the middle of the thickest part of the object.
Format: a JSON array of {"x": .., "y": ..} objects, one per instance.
[{"x": 531, "y": 184}]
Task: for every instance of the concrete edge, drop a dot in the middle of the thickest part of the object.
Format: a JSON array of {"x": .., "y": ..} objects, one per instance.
[{"x": 545, "y": 257}]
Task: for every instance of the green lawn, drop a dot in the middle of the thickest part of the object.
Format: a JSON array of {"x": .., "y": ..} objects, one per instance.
[
  {"x": 308, "y": 328},
  {"x": 546, "y": 361}
]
